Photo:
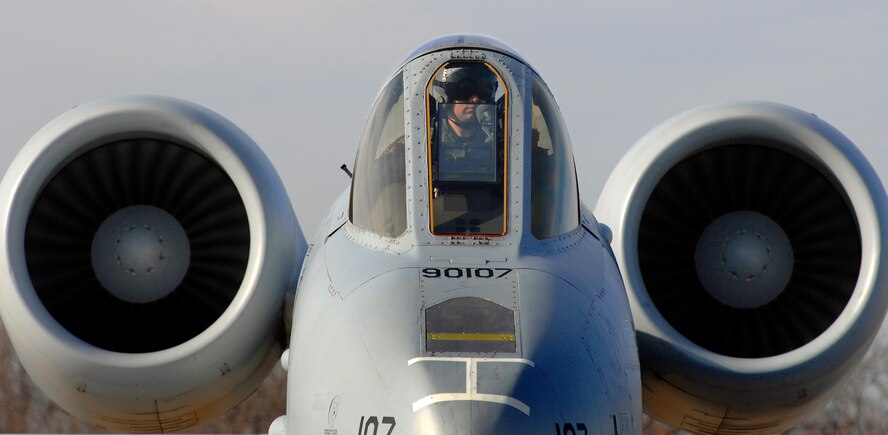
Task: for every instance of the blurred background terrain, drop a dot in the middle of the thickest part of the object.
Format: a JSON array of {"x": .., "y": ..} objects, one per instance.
[{"x": 860, "y": 408}]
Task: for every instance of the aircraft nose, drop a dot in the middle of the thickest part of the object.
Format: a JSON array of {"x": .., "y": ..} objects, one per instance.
[
  {"x": 477, "y": 418},
  {"x": 482, "y": 396}
]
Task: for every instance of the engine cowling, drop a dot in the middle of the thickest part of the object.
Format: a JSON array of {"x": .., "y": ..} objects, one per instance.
[
  {"x": 750, "y": 237},
  {"x": 147, "y": 248}
]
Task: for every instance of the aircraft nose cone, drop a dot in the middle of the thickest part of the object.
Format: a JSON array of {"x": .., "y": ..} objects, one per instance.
[
  {"x": 744, "y": 259},
  {"x": 479, "y": 395},
  {"x": 476, "y": 418}
]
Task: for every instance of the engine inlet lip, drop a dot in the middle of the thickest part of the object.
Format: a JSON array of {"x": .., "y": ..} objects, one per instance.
[
  {"x": 160, "y": 118},
  {"x": 801, "y": 134},
  {"x": 805, "y": 308}
]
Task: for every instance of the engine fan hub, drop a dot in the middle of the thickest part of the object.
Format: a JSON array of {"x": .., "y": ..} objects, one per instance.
[
  {"x": 140, "y": 254},
  {"x": 744, "y": 259}
]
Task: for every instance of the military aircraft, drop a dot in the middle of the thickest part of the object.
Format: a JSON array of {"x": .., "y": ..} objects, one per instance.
[{"x": 730, "y": 279}]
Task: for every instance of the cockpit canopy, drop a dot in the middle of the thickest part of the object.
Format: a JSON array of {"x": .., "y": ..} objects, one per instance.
[
  {"x": 467, "y": 103},
  {"x": 379, "y": 189},
  {"x": 469, "y": 106}
]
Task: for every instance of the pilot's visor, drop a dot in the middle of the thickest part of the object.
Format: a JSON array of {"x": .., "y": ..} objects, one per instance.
[{"x": 467, "y": 89}]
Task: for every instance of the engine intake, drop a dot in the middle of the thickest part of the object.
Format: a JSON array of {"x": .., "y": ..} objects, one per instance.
[
  {"x": 149, "y": 245},
  {"x": 63, "y": 243},
  {"x": 745, "y": 176},
  {"x": 750, "y": 236}
]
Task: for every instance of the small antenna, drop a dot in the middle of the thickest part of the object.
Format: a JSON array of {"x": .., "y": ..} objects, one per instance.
[{"x": 344, "y": 167}]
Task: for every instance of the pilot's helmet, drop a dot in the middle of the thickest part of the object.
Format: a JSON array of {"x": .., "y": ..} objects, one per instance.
[{"x": 459, "y": 82}]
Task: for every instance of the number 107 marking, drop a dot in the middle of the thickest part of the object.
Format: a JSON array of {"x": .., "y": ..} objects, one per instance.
[{"x": 364, "y": 429}]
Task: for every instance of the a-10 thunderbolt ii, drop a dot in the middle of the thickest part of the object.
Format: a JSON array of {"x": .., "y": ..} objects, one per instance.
[{"x": 731, "y": 278}]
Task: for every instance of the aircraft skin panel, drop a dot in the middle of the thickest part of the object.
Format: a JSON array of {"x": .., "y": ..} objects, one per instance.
[{"x": 380, "y": 325}]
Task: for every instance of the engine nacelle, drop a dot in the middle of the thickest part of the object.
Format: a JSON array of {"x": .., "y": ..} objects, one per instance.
[
  {"x": 147, "y": 248},
  {"x": 750, "y": 237}
]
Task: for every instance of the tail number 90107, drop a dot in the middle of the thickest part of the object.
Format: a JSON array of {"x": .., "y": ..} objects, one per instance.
[{"x": 466, "y": 272}]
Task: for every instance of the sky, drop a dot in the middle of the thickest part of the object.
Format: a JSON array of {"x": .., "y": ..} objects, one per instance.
[{"x": 299, "y": 77}]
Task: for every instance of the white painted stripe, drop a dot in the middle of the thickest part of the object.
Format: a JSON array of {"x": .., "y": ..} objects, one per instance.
[
  {"x": 469, "y": 360},
  {"x": 452, "y": 397},
  {"x": 471, "y": 393}
]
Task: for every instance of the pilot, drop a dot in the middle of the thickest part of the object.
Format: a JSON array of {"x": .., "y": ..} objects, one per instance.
[
  {"x": 466, "y": 119},
  {"x": 467, "y": 88}
]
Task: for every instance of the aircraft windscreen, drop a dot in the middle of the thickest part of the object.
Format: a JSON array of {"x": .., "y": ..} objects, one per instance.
[
  {"x": 555, "y": 203},
  {"x": 378, "y": 197},
  {"x": 467, "y": 103}
]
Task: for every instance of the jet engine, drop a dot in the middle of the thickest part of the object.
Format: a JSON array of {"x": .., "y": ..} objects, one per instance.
[
  {"x": 148, "y": 248},
  {"x": 751, "y": 240}
]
